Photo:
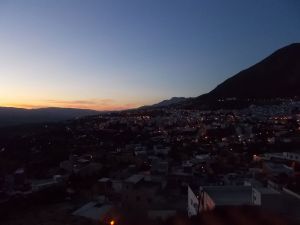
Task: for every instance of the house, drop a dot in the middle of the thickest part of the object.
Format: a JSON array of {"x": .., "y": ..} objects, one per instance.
[
  {"x": 103, "y": 186},
  {"x": 95, "y": 210},
  {"x": 273, "y": 169},
  {"x": 138, "y": 193},
  {"x": 83, "y": 165},
  {"x": 286, "y": 203},
  {"x": 38, "y": 185},
  {"x": 180, "y": 178},
  {"x": 19, "y": 177},
  {"x": 261, "y": 195},
  {"x": 161, "y": 150},
  {"x": 159, "y": 167},
  {"x": 209, "y": 197},
  {"x": 293, "y": 156}
]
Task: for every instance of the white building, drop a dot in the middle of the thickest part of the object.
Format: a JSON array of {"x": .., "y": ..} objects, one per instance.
[{"x": 209, "y": 197}]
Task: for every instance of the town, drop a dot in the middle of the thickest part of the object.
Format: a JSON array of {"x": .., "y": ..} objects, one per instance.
[{"x": 153, "y": 164}]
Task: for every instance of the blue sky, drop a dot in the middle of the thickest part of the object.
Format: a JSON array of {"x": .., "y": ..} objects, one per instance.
[{"x": 115, "y": 54}]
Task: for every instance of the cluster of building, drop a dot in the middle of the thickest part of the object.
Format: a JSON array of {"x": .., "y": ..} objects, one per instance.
[{"x": 157, "y": 163}]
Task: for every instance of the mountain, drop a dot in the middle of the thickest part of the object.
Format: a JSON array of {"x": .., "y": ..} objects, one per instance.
[
  {"x": 166, "y": 103},
  {"x": 15, "y": 116},
  {"x": 277, "y": 76}
]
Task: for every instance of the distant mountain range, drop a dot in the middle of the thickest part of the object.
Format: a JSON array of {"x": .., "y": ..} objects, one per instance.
[
  {"x": 277, "y": 76},
  {"x": 15, "y": 116},
  {"x": 166, "y": 103}
]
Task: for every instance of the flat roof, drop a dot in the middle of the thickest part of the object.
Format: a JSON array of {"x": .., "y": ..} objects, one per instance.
[
  {"x": 92, "y": 210},
  {"x": 135, "y": 178},
  {"x": 104, "y": 179},
  {"x": 264, "y": 190},
  {"x": 283, "y": 204},
  {"x": 230, "y": 195}
]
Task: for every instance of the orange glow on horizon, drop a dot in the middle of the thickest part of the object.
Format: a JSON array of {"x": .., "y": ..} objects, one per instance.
[{"x": 100, "y": 105}]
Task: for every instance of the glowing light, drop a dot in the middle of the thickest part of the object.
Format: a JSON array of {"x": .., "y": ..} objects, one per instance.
[{"x": 112, "y": 222}]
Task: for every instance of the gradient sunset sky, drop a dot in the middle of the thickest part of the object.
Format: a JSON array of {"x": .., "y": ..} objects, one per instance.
[{"x": 117, "y": 54}]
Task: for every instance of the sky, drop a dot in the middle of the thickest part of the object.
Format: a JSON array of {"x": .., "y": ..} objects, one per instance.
[{"x": 119, "y": 54}]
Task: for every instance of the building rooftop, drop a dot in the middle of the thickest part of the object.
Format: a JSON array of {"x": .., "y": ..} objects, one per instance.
[
  {"x": 230, "y": 195},
  {"x": 283, "y": 204},
  {"x": 135, "y": 178},
  {"x": 104, "y": 179},
  {"x": 93, "y": 210},
  {"x": 265, "y": 191}
]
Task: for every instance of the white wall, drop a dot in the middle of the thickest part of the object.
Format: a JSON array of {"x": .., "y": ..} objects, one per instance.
[
  {"x": 256, "y": 197},
  {"x": 192, "y": 203}
]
